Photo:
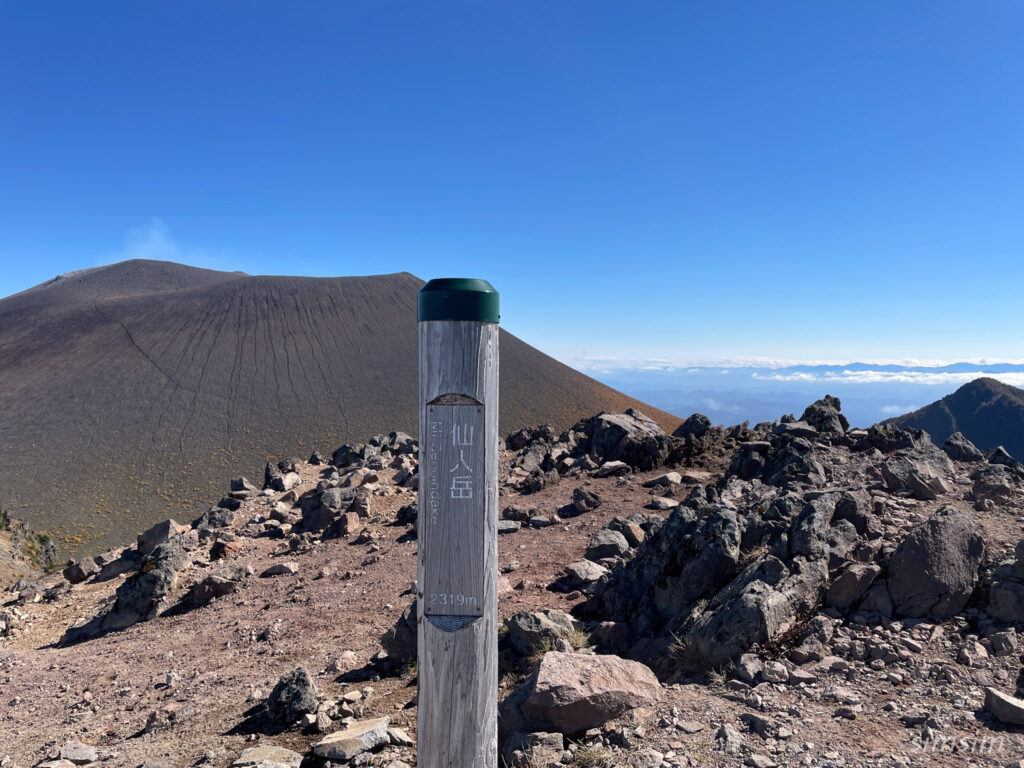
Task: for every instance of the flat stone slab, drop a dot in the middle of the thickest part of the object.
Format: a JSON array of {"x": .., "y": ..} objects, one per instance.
[
  {"x": 280, "y": 569},
  {"x": 78, "y": 753},
  {"x": 267, "y": 753},
  {"x": 354, "y": 740},
  {"x": 1005, "y": 708},
  {"x": 508, "y": 526}
]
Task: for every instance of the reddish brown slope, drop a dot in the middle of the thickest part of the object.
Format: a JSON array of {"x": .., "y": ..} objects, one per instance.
[{"x": 129, "y": 393}]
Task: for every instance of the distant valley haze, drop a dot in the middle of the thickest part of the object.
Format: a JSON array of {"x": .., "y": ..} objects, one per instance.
[{"x": 733, "y": 391}]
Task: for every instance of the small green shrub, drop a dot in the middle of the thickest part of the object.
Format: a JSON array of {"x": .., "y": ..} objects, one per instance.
[{"x": 579, "y": 638}]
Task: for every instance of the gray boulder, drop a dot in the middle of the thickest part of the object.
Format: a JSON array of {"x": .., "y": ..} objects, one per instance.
[
  {"x": 267, "y": 756},
  {"x": 570, "y": 693},
  {"x": 130, "y": 559},
  {"x": 934, "y": 570},
  {"x": 824, "y": 415},
  {"x": 584, "y": 500},
  {"x": 1006, "y": 601},
  {"x": 851, "y": 585},
  {"x": 580, "y": 574},
  {"x": 527, "y": 750},
  {"x": 285, "y": 481},
  {"x": 888, "y": 438},
  {"x": 400, "y": 641},
  {"x": 877, "y": 600},
  {"x": 508, "y": 526},
  {"x": 759, "y": 605},
  {"x": 242, "y": 485},
  {"x": 1006, "y": 593},
  {"x": 270, "y": 474},
  {"x": 1000, "y": 455},
  {"x": 796, "y": 429},
  {"x": 158, "y": 534},
  {"x": 524, "y": 437},
  {"x": 214, "y": 518},
  {"x": 348, "y": 455},
  {"x": 994, "y": 482},
  {"x": 78, "y": 753},
  {"x": 82, "y": 570},
  {"x": 324, "y": 511},
  {"x": 294, "y": 695},
  {"x": 221, "y": 582},
  {"x": 359, "y": 737},
  {"x": 606, "y": 543},
  {"x": 530, "y": 632},
  {"x": 142, "y": 595},
  {"x": 1005, "y": 708},
  {"x": 630, "y": 437},
  {"x": 924, "y": 480},
  {"x": 786, "y": 463},
  {"x": 695, "y": 436},
  {"x": 697, "y": 425},
  {"x": 959, "y": 448},
  {"x": 816, "y": 533}
]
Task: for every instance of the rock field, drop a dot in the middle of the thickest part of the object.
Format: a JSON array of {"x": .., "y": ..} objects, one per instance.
[{"x": 792, "y": 593}]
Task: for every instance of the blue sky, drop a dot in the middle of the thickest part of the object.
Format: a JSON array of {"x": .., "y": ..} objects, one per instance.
[{"x": 672, "y": 180}]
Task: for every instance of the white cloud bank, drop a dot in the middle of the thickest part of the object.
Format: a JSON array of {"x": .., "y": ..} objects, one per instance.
[
  {"x": 891, "y": 377},
  {"x": 698, "y": 365}
]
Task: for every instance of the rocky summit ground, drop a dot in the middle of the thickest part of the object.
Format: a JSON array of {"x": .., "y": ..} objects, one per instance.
[{"x": 794, "y": 593}]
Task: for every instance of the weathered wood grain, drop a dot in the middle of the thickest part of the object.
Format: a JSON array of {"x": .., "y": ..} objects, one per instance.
[
  {"x": 451, "y": 530},
  {"x": 458, "y": 670}
]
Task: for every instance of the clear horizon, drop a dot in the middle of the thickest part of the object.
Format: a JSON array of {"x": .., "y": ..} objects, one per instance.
[{"x": 675, "y": 182}]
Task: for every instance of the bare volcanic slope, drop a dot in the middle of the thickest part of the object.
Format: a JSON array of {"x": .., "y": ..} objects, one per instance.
[
  {"x": 988, "y": 413},
  {"x": 128, "y": 392}
]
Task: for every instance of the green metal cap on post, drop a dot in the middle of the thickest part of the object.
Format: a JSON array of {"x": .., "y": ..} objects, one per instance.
[{"x": 458, "y": 298}]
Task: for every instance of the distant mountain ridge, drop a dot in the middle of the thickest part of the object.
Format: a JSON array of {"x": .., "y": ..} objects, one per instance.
[
  {"x": 132, "y": 392},
  {"x": 988, "y": 412}
]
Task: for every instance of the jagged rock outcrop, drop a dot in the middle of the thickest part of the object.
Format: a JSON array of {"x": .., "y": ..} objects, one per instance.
[
  {"x": 143, "y": 595},
  {"x": 610, "y": 443},
  {"x": 793, "y": 527},
  {"x": 685, "y": 561},
  {"x": 824, "y": 415},
  {"x": 760, "y": 604},
  {"x": 333, "y": 512}
]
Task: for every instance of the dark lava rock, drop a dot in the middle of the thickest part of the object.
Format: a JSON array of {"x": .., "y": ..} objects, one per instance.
[
  {"x": 294, "y": 695},
  {"x": 934, "y": 571}
]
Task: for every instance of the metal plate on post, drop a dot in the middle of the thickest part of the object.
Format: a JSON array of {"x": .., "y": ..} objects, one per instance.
[{"x": 451, "y": 527}]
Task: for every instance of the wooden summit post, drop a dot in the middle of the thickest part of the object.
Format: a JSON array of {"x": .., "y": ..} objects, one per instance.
[{"x": 457, "y": 525}]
